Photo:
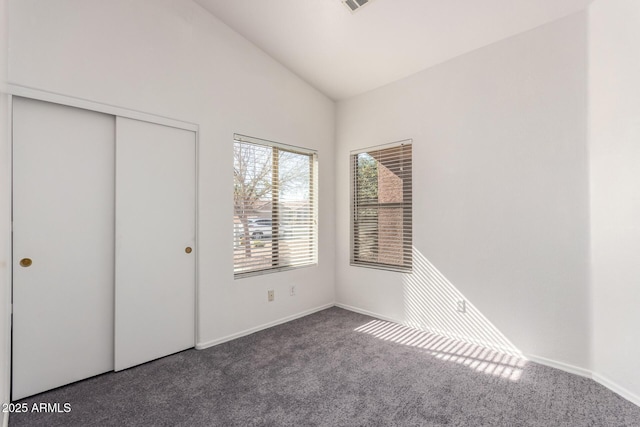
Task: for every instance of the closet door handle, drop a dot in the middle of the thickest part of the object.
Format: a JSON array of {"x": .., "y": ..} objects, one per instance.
[
  {"x": 188, "y": 249},
  {"x": 26, "y": 262}
]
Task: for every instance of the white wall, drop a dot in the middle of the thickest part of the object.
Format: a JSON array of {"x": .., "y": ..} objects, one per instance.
[
  {"x": 500, "y": 175},
  {"x": 500, "y": 194},
  {"x": 5, "y": 211},
  {"x": 614, "y": 148},
  {"x": 172, "y": 58}
]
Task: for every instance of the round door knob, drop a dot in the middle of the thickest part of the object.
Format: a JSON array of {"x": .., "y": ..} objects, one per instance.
[
  {"x": 188, "y": 249},
  {"x": 26, "y": 262}
]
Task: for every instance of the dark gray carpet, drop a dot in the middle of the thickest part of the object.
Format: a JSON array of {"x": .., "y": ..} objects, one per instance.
[{"x": 336, "y": 368}]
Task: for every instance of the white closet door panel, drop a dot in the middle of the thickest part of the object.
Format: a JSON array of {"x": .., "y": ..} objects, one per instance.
[
  {"x": 63, "y": 218},
  {"x": 155, "y": 223}
]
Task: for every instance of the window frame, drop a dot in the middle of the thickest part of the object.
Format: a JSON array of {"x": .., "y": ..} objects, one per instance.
[
  {"x": 406, "y": 205},
  {"x": 276, "y": 206}
]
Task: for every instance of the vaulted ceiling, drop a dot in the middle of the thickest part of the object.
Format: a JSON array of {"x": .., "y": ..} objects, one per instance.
[{"x": 343, "y": 54}]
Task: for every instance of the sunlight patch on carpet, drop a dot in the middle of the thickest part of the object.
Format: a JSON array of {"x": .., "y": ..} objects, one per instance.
[{"x": 474, "y": 356}]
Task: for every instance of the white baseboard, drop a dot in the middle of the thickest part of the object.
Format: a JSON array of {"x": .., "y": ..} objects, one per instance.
[
  {"x": 631, "y": 397},
  {"x": 366, "y": 312},
  {"x": 454, "y": 336},
  {"x": 560, "y": 365},
  {"x": 211, "y": 343}
]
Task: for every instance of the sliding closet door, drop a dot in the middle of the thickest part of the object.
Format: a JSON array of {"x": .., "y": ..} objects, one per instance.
[
  {"x": 155, "y": 236},
  {"x": 63, "y": 219}
]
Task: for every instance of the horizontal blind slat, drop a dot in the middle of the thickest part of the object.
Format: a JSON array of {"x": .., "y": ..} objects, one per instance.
[
  {"x": 381, "y": 220},
  {"x": 275, "y": 221}
]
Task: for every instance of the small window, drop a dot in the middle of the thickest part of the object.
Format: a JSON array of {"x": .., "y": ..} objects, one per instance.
[
  {"x": 381, "y": 216},
  {"x": 275, "y": 206}
]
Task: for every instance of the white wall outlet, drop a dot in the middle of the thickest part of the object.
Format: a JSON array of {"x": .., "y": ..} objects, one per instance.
[
  {"x": 461, "y": 306},
  {"x": 270, "y": 295},
  {"x": 292, "y": 290}
]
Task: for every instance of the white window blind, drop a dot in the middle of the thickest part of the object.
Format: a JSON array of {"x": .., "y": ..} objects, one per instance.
[
  {"x": 381, "y": 190},
  {"x": 275, "y": 206}
]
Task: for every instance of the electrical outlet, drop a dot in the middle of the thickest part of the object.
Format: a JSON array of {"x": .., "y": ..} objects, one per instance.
[
  {"x": 292, "y": 290},
  {"x": 461, "y": 306},
  {"x": 270, "y": 295}
]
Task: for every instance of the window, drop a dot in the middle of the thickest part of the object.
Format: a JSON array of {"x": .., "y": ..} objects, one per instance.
[
  {"x": 275, "y": 209},
  {"x": 381, "y": 216}
]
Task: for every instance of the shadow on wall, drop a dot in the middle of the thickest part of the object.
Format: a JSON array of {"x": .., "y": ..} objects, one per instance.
[
  {"x": 437, "y": 322},
  {"x": 433, "y": 304}
]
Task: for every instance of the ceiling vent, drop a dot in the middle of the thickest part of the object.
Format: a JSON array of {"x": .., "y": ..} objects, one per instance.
[{"x": 354, "y": 5}]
